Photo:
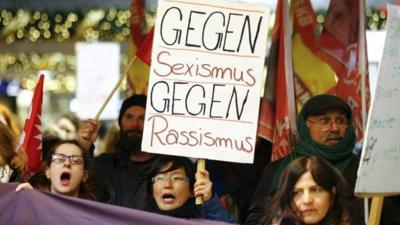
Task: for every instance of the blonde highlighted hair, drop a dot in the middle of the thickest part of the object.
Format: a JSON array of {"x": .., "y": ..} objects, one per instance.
[{"x": 10, "y": 120}]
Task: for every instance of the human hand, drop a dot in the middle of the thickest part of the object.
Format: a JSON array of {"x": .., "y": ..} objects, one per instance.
[
  {"x": 87, "y": 133},
  {"x": 23, "y": 186},
  {"x": 203, "y": 185}
]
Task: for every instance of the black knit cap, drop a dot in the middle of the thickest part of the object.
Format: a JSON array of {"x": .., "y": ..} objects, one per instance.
[
  {"x": 133, "y": 100},
  {"x": 321, "y": 103}
]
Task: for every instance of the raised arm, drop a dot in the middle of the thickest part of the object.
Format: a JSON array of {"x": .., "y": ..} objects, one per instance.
[{"x": 87, "y": 133}]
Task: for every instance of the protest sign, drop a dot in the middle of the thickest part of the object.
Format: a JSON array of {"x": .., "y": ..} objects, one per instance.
[
  {"x": 205, "y": 78},
  {"x": 381, "y": 149}
]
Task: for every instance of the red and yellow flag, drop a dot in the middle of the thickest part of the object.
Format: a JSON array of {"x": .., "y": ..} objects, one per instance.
[
  {"x": 144, "y": 52},
  {"x": 331, "y": 60},
  {"x": 139, "y": 72},
  {"x": 315, "y": 61}
]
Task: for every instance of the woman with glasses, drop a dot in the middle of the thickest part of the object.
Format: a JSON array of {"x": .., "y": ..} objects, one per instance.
[
  {"x": 172, "y": 191},
  {"x": 66, "y": 170}
]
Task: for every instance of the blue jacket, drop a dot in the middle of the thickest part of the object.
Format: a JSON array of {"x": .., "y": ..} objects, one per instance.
[{"x": 214, "y": 210}]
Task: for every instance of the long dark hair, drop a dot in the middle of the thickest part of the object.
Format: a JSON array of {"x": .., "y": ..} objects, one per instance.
[
  {"x": 84, "y": 191},
  {"x": 325, "y": 175}
]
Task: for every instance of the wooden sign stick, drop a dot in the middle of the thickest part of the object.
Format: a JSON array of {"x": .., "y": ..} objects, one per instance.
[
  {"x": 376, "y": 210},
  {"x": 123, "y": 76},
  {"x": 201, "y": 165}
]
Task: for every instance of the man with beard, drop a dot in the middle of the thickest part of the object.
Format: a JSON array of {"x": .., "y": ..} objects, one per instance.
[
  {"x": 325, "y": 130},
  {"x": 124, "y": 171}
]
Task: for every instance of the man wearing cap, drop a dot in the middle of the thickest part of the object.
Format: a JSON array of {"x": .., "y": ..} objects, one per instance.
[
  {"x": 325, "y": 130},
  {"x": 125, "y": 170}
]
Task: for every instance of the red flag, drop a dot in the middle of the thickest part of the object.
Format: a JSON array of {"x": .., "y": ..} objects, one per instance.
[
  {"x": 144, "y": 52},
  {"x": 32, "y": 135},
  {"x": 279, "y": 96},
  {"x": 338, "y": 52},
  {"x": 137, "y": 18}
]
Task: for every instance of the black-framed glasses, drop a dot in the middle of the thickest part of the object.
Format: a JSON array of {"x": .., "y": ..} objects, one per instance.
[{"x": 73, "y": 159}]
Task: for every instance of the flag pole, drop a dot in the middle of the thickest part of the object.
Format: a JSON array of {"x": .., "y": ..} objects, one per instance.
[
  {"x": 289, "y": 69},
  {"x": 363, "y": 70},
  {"x": 362, "y": 63},
  {"x": 123, "y": 76}
]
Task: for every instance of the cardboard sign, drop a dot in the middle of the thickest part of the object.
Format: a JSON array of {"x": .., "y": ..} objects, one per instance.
[
  {"x": 381, "y": 150},
  {"x": 204, "y": 87}
]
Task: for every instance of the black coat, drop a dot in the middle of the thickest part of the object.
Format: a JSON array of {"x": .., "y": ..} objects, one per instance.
[{"x": 123, "y": 179}]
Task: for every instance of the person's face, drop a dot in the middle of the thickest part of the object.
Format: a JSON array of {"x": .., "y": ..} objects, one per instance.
[
  {"x": 338, "y": 20},
  {"x": 311, "y": 201},
  {"x": 66, "y": 174},
  {"x": 133, "y": 119},
  {"x": 171, "y": 190},
  {"x": 131, "y": 132},
  {"x": 328, "y": 128}
]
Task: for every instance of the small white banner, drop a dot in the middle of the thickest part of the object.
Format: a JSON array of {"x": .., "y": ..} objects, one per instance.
[{"x": 97, "y": 72}]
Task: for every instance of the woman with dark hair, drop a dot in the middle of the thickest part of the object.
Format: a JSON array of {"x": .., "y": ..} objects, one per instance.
[
  {"x": 311, "y": 191},
  {"x": 172, "y": 191},
  {"x": 67, "y": 170}
]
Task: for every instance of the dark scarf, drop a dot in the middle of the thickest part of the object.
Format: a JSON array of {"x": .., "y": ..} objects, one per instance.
[
  {"x": 339, "y": 155},
  {"x": 187, "y": 210}
]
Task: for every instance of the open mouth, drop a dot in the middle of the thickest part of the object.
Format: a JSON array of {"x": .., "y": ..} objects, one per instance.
[
  {"x": 168, "y": 197},
  {"x": 65, "y": 178}
]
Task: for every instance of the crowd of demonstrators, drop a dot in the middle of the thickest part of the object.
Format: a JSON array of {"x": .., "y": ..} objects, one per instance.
[
  {"x": 124, "y": 171},
  {"x": 311, "y": 191},
  {"x": 66, "y": 170},
  {"x": 325, "y": 129},
  {"x": 126, "y": 176},
  {"x": 173, "y": 190}
]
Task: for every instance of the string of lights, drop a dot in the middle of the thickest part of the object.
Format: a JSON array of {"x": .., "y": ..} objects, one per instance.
[{"x": 94, "y": 25}]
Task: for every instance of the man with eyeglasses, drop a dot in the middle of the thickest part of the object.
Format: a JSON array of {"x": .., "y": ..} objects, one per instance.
[
  {"x": 125, "y": 170},
  {"x": 325, "y": 130},
  {"x": 325, "y": 127}
]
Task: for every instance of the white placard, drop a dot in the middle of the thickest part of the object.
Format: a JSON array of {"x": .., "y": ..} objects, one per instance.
[
  {"x": 204, "y": 87},
  {"x": 97, "y": 72},
  {"x": 381, "y": 150}
]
